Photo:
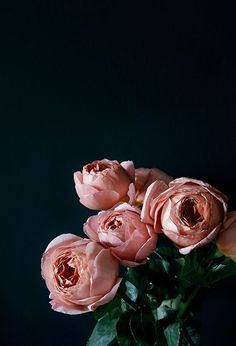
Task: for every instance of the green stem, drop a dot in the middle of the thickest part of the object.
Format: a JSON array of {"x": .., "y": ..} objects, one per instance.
[
  {"x": 186, "y": 305},
  {"x": 128, "y": 300}
]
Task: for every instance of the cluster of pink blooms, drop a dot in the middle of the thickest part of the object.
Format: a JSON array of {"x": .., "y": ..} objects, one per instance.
[{"x": 136, "y": 205}]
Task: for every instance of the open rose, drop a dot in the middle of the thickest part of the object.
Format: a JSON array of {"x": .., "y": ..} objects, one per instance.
[
  {"x": 145, "y": 177},
  {"x": 80, "y": 274},
  {"x": 189, "y": 212},
  {"x": 226, "y": 240},
  {"x": 104, "y": 183},
  {"x": 121, "y": 229}
]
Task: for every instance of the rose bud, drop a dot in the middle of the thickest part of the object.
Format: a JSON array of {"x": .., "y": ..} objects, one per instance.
[
  {"x": 226, "y": 239},
  {"x": 104, "y": 183},
  {"x": 79, "y": 273},
  {"x": 121, "y": 229},
  {"x": 145, "y": 177},
  {"x": 190, "y": 212}
]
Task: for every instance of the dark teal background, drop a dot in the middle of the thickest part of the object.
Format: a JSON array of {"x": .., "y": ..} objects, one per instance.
[{"x": 81, "y": 80}]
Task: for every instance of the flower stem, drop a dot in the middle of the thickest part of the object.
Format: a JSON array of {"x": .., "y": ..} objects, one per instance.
[{"x": 186, "y": 305}]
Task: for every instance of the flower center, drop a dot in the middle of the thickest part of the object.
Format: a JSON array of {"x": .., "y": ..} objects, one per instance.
[
  {"x": 66, "y": 272},
  {"x": 189, "y": 212},
  {"x": 96, "y": 167},
  {"x": 113, "y": 225}
]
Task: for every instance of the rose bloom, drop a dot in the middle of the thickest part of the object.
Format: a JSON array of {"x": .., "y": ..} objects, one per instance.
[
  {"x": 104, "y": 183},
  {"x": 189, "y": 212},
  {"x": 226, "y": 240},
  {"x": 121, "y": 229},
  {"x": 79, "y": 273},
  {"x": 145, "y": 177}
]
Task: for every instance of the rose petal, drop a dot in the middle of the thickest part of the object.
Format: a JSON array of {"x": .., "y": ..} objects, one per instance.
[
  {"x": 84, "y": 190},
  {"x": 107, "y": 297},
  {"x": 131, "y": 193},
  {"x": 62, "y": 240},
  {"x": 226, "y": 240},
  {"x": 130, "y": 248},
  {"x": 132, "y": 264},
  {"x": 100, "y": 200},
  {"x": 70, "y": 309},
  {"x": 127, "y": 206},
  {"x": 204, "y": 241},
  {"x": 78, "y": 177},
  {"x": 153, "y": 191},
  {"x": 166, "y": 218},
  {"x": 104, "y": 271},
  {"x": 129, "y": 168},
  {"x": 147, "y": 247},
  {"x": 91, "y": 226}
]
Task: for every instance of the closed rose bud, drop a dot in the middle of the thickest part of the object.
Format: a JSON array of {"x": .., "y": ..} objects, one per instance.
[
  {"x": 121, "y": 230},
  {"x": 102, "y": 184},
  {"x": 144, "y": 177},
  {"x": 79, "y": 273},
  {"x": 189, "y": 212},
  {"x": 226, "y": 239}
]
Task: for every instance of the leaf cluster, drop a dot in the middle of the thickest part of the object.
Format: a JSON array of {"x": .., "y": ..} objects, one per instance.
[{"x": 155, "y": 302}]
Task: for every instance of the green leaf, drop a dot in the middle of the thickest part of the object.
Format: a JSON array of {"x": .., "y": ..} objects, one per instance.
[
  {"x": 217, "y": 253},
  {"x": 113, "y": 308},
  {"x": 137, "y": 275},
  {"x": 104, "y": 332},
  {"x": 124, "y": 306},
  {"x": 136, "y": 328},
  {"x": 128, "y": 293},
  {"x": 125, "y": 333},
  {"x": 168, "y": 252},
  {"x": 222, "y": 270},
  {"x": 179, "y": 263},
  {"x": 192, "y": 272},
  {"x": 153, "y": 301},
  {"x": 131, "y": 291},
  {"x": 167, "y": 308},
  {"x": 140, "y": 278},
  {"x": 159, "y": 264},
  {"x": 160, "y": 275},
  {"x": 172, "y": 334}
]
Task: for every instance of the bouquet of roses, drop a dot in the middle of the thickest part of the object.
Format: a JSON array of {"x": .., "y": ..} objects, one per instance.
[{"x": 155, "y": 244}]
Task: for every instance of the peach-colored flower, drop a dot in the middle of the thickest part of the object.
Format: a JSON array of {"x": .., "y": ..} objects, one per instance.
[
  {"x": 145, "y": 177},
  {"x": 121, "y": 229},
  {"x": 104, "y": 183},
  {"x": 79, "y": 273},
  {"x": 226, "y": 239},
  {"x": 190, "y": 212}
]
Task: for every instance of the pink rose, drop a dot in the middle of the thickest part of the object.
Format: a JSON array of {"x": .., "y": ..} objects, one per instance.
[
  {"x": 79, "y": 273},
  {"x": 104, "y": 183},
  {"x": 121, "y": 229},
  {"x": 145, "y": 177},
  {"x": 190, "y": 212},
  {"x": 226, "y": 240}
]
